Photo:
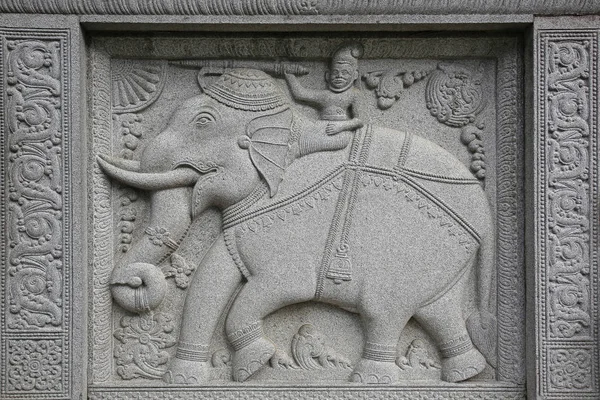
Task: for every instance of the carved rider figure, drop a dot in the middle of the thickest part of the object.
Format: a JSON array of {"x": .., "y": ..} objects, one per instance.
[{"x": 339, "y": 103}]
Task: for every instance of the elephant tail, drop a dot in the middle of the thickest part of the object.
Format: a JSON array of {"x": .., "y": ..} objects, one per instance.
[{"x": 482, "y": 324}]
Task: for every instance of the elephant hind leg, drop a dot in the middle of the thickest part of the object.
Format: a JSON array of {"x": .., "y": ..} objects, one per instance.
[
  {"x": 377, "y": 364},
  {"x": 444, "y": 321},
  {"x": 257, "y": 299}
]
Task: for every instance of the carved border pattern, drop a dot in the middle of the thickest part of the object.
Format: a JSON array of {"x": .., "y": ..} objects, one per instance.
[
  {"x": 310, "y": 393},
  {"x": 297, "y": 7},
  {"x": 567, "y": 236},
  {"x": 509, "y": 260},
  {"x": 510, "y": 278},
  {"x": 36, "y": 216},
  {"x": 102, "y": 221}
]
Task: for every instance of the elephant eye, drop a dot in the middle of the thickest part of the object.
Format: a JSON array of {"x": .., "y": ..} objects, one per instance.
[{"x": 204, "y": 118}]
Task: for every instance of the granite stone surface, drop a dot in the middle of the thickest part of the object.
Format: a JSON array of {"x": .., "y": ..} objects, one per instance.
[{"x": 299, "y": 200}]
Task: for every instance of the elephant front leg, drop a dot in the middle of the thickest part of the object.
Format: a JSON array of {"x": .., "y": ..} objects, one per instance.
[
  {"x": 261, "y": 296},
  {"x": 215, "y": 282}
]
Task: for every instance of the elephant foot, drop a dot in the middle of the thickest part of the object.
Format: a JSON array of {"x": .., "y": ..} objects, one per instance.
[
  {"x": 184, "y": 372},
  {"x": 251, "y": 358},
  {"x": 375, "y": 372},
  {"x": 463, "y": 366}
]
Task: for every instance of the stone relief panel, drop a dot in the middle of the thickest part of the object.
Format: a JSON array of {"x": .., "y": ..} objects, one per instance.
[
  {"x": 34, "y": 153},
  {"x": 266, "y": 220}
]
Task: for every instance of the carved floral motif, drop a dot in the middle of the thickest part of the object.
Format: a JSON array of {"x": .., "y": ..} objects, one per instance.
[
  {"x": 144, "y": 339},
  {"x": 568, "y": 208},
  {"x": 180, "y": 271},
  {"x": 34, "y": 182},
  {"x": 570, "y": 369},
  {"x": 35, "y": 365}
]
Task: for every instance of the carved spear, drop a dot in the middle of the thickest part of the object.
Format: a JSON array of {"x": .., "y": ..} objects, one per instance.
[{"x": 277, "y": 68}]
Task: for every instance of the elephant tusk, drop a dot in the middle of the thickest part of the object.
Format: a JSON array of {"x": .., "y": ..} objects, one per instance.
[
  {"x": 179, "y": 177},
  {"x": 130, "y": 165}
]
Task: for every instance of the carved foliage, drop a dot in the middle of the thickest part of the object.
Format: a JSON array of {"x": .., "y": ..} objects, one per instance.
[
  {"x": 34, "y": 181},
  {"x": 417, "y": 357},
  {"x": 390, "y": 84},
  {"x": 570, "y": 369},
  {"x": 35, "y": 365},
  {"x": 568, "y": 154},
  {"x": 144, "y": 338}
]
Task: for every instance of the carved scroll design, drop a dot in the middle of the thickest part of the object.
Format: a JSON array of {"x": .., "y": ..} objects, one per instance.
[
  {"x": 35, "y": 214},
  {"x": 101, "y": 310},
  {"x": 570, "y": 369},
  {"x": 35, "y": 184},
  {"x": 455, "y": 97},
  {"x": 568, "y": 187},
  {"x": 568, "y": 220}
]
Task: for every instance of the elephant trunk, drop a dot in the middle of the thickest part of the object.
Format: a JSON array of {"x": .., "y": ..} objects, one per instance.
[{"x": 137, "y": 282}]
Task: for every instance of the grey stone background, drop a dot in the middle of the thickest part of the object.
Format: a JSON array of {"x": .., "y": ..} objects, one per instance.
[{"x": 49, "y": 358}]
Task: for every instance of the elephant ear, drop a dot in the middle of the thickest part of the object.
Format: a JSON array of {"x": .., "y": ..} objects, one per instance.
[{"x": 268, "y": 141}]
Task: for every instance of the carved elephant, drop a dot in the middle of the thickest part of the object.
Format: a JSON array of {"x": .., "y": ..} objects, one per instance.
[{"x": 379, "y": 222}]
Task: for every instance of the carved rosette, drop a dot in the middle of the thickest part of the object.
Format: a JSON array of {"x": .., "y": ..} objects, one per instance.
[
  {"x": 568, "y": 194},
  {"x": 34, "y": 183},
  {"x": 35, "y": 365},
  {"x": 455, "y": 98},
  {"x": 143, "y": 340}
]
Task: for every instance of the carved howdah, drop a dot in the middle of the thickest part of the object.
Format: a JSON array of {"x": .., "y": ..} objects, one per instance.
[{"x": 320, "y": 201}]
